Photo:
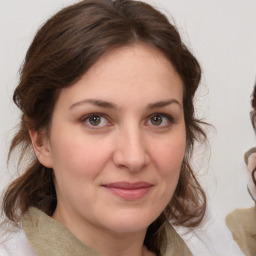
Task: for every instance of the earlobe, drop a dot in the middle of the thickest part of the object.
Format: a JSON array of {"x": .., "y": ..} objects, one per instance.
[{"x": 41, "y": 147}]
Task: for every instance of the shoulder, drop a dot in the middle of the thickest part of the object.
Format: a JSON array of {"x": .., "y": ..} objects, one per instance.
[
  {"x": 242, "y": 217},
  {"x": 241, "y": 222},
  {"x": 15, "y": 244},
  {"x": 211, "y": 238},
  {"x": 175, "y": 244}
]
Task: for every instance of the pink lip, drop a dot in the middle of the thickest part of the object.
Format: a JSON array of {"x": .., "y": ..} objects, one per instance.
[{"x": 129, "y": 191}]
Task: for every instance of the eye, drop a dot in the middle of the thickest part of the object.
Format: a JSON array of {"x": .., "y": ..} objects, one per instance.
[
  {"x": 95, "y": 120},
  {"x": 156, "y": 120},
  {"x": 159, "y": 120}
]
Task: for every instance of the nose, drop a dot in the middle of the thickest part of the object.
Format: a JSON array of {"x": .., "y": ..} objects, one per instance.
[{"x": 131, "y": 150}]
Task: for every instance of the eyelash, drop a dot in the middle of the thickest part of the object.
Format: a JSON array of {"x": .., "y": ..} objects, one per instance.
[
  {"x": 169, "y": 118},
  {"x": 86, "y": 118}
]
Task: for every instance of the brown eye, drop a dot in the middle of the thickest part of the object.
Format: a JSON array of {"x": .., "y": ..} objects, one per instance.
[
  {"x": 160, "y": 120},
  {"x": 156, "y": 120},
  {"x": 94, "y": 120}
]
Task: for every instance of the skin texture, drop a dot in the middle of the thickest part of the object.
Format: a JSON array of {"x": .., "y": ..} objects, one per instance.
[
  {"x": 121, "y": 122},
  {"x": 250, "y": 167}
]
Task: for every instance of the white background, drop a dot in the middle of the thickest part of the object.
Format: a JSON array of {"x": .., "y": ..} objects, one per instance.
[{"x": 221, "y": 34}]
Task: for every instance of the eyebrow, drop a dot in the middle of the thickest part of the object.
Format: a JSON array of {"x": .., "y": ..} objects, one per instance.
[
  {"x": 163, "y": 103},
  {"x": 110, "y": 105},
  {"x": 99, "y": 103}
]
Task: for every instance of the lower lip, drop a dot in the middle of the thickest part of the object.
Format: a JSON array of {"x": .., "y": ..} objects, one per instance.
[{"x": 129, "y": 194}]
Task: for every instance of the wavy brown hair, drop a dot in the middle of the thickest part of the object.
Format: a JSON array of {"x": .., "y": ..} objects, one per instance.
[
  {"x": 64, "y": 48},
  {"x": 253, "y": 100}
]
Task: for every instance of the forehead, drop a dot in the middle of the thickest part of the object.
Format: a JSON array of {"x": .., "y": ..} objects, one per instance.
[
  {"x": 133, "y": 72},
  {"x": 133, "y": 56}
]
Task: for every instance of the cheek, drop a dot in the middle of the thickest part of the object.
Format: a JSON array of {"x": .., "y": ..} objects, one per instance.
[
  {"x": 78, "y": 158},
  {"x": 76, "y": 169},
  {"x": 168, "y": 157}
]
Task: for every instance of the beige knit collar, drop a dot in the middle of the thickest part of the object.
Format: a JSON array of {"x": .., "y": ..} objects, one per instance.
[{"x": 48, "y": 237}]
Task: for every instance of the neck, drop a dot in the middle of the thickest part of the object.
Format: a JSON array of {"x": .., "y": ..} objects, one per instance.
[
  {"x": 112, "y": 244},
  {"x": 107, "y": 243}
]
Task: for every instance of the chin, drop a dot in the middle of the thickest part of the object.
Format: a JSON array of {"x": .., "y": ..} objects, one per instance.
[
  {"x": 125, "y": 228},
  {"x": 130, "y": 223}
]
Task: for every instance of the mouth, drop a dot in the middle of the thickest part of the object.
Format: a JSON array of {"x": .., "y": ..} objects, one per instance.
[{"x": 129, "y": 191}]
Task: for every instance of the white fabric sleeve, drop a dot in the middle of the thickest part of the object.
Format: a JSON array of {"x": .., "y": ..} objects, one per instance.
[
  {"x": 212, "y": 238},
  {"x": 15, "y": 244}
]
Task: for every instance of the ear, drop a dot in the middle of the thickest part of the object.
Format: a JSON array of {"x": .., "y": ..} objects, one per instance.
[{"x": 41, "y": 147}]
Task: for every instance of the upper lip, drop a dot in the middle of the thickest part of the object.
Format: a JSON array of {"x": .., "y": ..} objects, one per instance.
[{"x": 128, "y": 185}]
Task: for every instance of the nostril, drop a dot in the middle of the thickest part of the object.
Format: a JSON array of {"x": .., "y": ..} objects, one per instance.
[
  {"x": 131, "y": 149},
  {"x": 131, "y": 160}
]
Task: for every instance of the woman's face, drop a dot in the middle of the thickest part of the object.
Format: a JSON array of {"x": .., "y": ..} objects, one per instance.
[{"x": 116, "y": 142}]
